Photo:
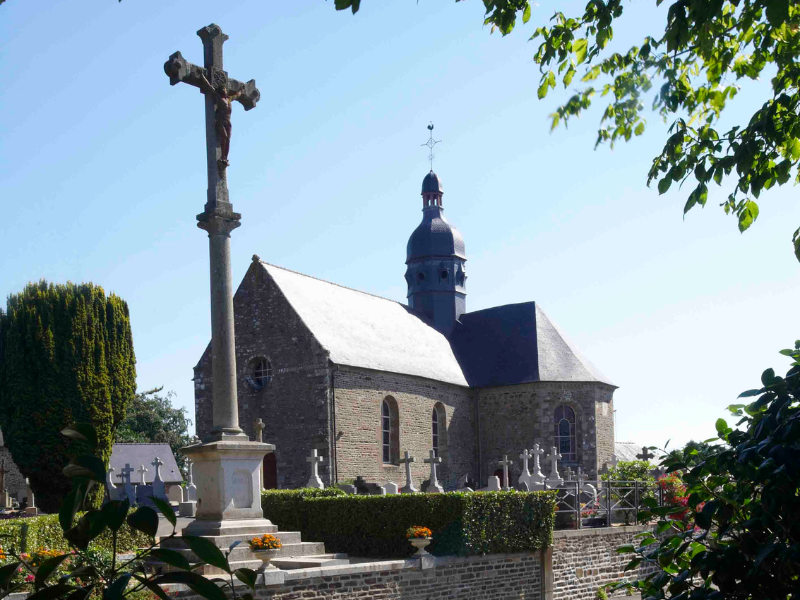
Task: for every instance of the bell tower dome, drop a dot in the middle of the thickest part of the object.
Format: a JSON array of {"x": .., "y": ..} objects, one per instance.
[{"x": 435, "y": 260}]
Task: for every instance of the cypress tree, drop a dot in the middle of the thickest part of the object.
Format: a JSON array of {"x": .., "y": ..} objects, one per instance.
[{"x": 66, "y": 355}]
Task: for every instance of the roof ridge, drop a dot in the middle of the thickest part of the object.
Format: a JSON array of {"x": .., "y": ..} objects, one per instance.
[{"x": 330, "y": 282}]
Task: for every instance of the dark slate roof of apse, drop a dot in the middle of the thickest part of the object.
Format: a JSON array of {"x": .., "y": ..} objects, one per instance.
[
  {"x": 137, "y": 455},
  {"x": 362, "y": 330},
  {"x": 517, "y": 343}
]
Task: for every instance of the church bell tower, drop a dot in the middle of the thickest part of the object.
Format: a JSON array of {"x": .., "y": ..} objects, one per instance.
[{"x": 435, "y": 260}]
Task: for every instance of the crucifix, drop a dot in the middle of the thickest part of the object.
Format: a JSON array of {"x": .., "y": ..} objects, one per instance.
[
  {"x": 434, "y": 460},
  {"x": 408, "y": 488},
  {"x": 554, "y": 478},
  {"x": 259, "y": 426},
  {"x": 505, "y": 463},
  {"x": 142, "y": 470},
  {"x": 525, "y": 456},
  {"x": 536, "y": 475},
  {"x": 314, "y": 481},
  {"x": 218, "y": 218},
  {"x": 157, "y": 463},
  {"x": 125, "y": 473}
]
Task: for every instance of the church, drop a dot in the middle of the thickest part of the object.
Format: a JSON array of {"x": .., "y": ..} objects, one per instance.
[{"x": 363, "y": 379}]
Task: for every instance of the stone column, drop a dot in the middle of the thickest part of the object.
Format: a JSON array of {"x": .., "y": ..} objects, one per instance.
[{"x": 223, "y": 343}]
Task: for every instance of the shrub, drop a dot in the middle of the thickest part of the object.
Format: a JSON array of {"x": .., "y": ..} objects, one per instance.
[
  {"x": 283, "y": 507},
  {"x": 375, "y": 526},
  {"x": 631, "y": 471},
  {"x": 29, "y": 535}
]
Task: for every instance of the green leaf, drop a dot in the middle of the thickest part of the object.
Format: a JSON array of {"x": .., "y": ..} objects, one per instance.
[
  {"x": 664, "y": 184},
  {"x": 171, "y": 557},
  {"x": 86, "y": 466},
  {"x": 526, "y": 14},
  {"x": 639, "y": 128},
  {"x": 197, "y": 583},
  {"x": 569, "y": 75},
  {"x": 722, "y": 426},
  {"x": 114, "y": 513},
  {"x": 166, "y": 510},
  {"x": 207, "y": 552},
  {"x": 247, "y": 577},
  {"x": 145, "y": 520},
  {"x": 747, "y": 215},
  {"x": 579, "y": 47},
  {"x": 52, "y": 592},
  {"x": 47, "y": 568},
  {"x": 72, "y": 502},
  {"x": 633, "y": 564},
  {"x": 87, "y": 529},
  {"x": 542, "y": 92},
  {"x": 83, "y": 432},
  {"x": 751, "y": 393},
  {"x": 7, "y": 573},
  {"x": 117, "y": 588},
  {"x": 155, "y": 588}
]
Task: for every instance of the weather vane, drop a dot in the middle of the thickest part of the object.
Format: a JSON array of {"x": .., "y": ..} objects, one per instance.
[{"x": 431, "y": 143}]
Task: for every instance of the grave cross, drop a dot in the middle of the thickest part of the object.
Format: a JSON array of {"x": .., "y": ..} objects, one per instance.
[
  {"x": 536, "y": 475},
  {"x": 568, "y": 474},
  {"x": 408, "y": 488},
  {"x": 434, "y": 460},
  {"x": 125, "y": 473},
  {"x": 142, "y": 471},
  {"x": 157, "y": 463},
  {"x": 219, "y": 90},
  {"x": 505, "y": 463},
  {"x": 525, "y": 456},
  {"x": 554, "y": 456},
  {"x": 645, "y": 455},
  {"x": 258, "y": 425},
  {"x": 314, "y": 481}
]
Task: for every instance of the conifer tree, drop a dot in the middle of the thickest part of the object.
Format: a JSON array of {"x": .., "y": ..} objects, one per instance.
[{"x": 66, "y": 355}]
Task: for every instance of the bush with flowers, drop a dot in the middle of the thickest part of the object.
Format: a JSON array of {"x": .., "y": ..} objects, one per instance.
[
  {"x": 265, "y": 542},
  {"x": 418, "y": 531}
]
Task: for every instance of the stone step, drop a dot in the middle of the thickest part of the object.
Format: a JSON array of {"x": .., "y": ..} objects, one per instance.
[
  {"x": 242, "y": 553},
  {"x": 310, "y": 561},
  {"x": 224, "y": 541}
]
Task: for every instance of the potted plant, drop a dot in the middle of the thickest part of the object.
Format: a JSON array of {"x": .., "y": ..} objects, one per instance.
[
  {"x": 420, "y": 538},
  {"x": 265, "y": 548}
]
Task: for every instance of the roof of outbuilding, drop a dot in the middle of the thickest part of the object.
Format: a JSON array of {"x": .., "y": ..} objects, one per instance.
[
  {"x": 137, "y": 455},
  {"x": 517, "y": 343},
  {"x": 361, "y": 330}
]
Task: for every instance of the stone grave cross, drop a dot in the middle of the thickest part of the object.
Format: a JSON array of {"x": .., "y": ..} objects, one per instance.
[
  {"x": 142, "y": 470},
  {"x": 434, "y": 460},
  {"x": 568, "y": 474},
  {"x": 537, "y": 477},
  {"x": 258, "y": 425},
  {"x": 408, "y": 488},
  {"x": 554, "y": 479},
  {"x": 159, "y": 489},
  {"x": 645, "y": 455},
  {"x": 525, "y": 476},
  {"x": 157, "y": 463},
  {"x": 505, "y": 463},
  {"x": 125, "y": 473},
  {"x": 314, "y": 481}
]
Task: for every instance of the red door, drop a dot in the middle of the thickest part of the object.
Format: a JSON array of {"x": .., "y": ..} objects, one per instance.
[{"x": 270, "y": 472}]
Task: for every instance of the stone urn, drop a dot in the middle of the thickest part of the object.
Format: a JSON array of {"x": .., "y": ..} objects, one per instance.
[
  {"x": 420, "y": 544},
  {"x": 266, "y": 556}
]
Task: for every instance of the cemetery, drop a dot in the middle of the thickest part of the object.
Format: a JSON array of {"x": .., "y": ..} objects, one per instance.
[{"x": 352, "y": 447}]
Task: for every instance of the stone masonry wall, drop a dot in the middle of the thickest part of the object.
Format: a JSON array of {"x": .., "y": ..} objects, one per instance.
[
  {"x": 491, "y": 577},
  {"x": 513, "y": 418},
  {"x": 359, "y": 394},
  {"x": 294, "y": 405},
  {"x": 583, "y": 560}
]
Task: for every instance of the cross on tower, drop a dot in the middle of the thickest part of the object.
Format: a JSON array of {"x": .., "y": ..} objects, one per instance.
[
  {"x": 505, "y": 463},
  {"x": 646, "y": 454},
  {"x": 433, "y": 485},
  {"x": 431, "y": 143},
  {"x": 407, "y": 459}
]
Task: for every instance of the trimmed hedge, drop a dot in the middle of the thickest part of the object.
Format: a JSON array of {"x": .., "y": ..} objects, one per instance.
[
  {"x": 375, "y": 526},
  {"x": 28, "y": 535}
]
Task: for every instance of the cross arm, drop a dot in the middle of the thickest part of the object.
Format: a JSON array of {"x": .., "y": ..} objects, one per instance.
[{"x": 178, "y": 69}]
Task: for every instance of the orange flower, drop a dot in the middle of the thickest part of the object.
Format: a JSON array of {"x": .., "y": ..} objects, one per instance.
[{"x": 417, "y": 531}]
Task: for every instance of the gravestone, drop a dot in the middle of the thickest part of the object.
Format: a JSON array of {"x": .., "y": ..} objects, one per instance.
[
  {"x": 554, "y": 479},
  {"x": 537, "y": 478},
  {"x": 347, "y": 488},
  {"x": 463, "y": 484},
  {"x": 505, "y": 463},
  {"x": 525, "y": 476},
  {"x": 191, "y": 488},
  {"x": 408, "y": 488},
  {"x": 522, "y": 486},
  {"x": 144, "y": 495},
  {"x": 142, "y": 472},
  {"x": 114, "y": 492},
  {"x": 159, "y": 488},
  {"x": 315, "y": 460},
  {"x": 31, "y": 508},
  {"x": 433, "y": 483},
  {"x": 187, "y": 509},
  {"x": 493, "y": 484},
  {"x": 391, "y": 488},
  {"x": 366, "y": 488},
  {"x": 125, "y": 475},
  {"x": 175, "y": 494}
]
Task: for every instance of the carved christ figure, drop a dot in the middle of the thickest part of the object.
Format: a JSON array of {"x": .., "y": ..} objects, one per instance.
[{"x": 222, "y": 115}]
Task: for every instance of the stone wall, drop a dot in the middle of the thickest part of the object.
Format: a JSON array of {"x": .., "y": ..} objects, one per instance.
[
  {"x": 491, "y": 577},
  {"x": 513, "y": 418},
  {"x": 358, "y": 396},
  {"x": 294, "y": 404},
  {"x": 14, "y": 480},
  {"x": 585, "y": 559}
]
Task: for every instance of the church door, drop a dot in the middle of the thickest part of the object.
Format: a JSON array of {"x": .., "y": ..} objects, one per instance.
[{"x": 270, "y": 472}]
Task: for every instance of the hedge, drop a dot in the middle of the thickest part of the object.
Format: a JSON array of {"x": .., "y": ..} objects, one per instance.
[
  {"x": 375, "y": 526},
  {"x": 28, "y": 535}
]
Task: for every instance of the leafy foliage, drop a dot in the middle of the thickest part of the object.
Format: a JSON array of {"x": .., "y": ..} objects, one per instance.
[
  {"x": 66, "y": 354},
  {"x": 744, "y": 502},
  {"x": 635, "y": 472},
  {"x": 376, "y": 526},
  {"x": 694, "y": 68},
  {"x": 151, "y": 418}
]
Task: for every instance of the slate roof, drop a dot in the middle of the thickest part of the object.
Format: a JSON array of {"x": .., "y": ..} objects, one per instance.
[
  {"x": 517, "y": 343},
  {"x": 435, "y": 236},
  {"x": 144, "y": 454},
  {"x": 627, "y": 451},
  {"x": 362, "y": 330}
]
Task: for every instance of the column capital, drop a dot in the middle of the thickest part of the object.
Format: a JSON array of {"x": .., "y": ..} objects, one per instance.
[{"x": 218, "y": 225}]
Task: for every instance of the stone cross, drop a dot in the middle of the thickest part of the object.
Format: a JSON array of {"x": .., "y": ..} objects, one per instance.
[
  {"x": 314, "y": 481},
  {"x": 142, "y": 470},
  {"x": 258, "y": 425},
  {"x": 525, "y": 476},
  {"x": 157, "y": 463},
  {"x": 434, "y": 486},
  {"x": 125, "y": 473},
  {"x": 218, "y": 218},
  {"x": 568, "y": 474},
  {"x": 408, "y": 488},
  {"x": 645, "y": 455},
  {"x": 554, "y": 479},
  {"x": 581, "y": 475},
  {"x": 110, "y": 482},
  {"x": 537, "y": 477},
  {"x": 505, "y": 463},
  {"x": 191, "y": 488}
]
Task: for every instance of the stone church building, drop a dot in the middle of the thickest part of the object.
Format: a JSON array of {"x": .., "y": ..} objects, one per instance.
[{"x": 363, "y": 379}]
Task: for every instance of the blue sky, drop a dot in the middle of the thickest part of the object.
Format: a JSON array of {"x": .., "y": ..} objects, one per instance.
[{"x": 102, "y": 171}]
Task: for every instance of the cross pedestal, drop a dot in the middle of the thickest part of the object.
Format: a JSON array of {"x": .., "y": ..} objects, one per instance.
[{"x": 227, "y": 464}]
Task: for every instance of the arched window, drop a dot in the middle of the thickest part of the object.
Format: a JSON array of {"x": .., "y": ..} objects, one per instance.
[
  {"x": 439, "y": 429},
  {"x": 262, "y": 372},
  {"x": 390, "y": 434},
  {"x": 564, "y": 421}
]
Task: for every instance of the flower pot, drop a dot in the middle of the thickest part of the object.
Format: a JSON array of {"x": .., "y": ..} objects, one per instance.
[
  {"x": 420, "y": 544},
  {"x": 265, "y": 556}
]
